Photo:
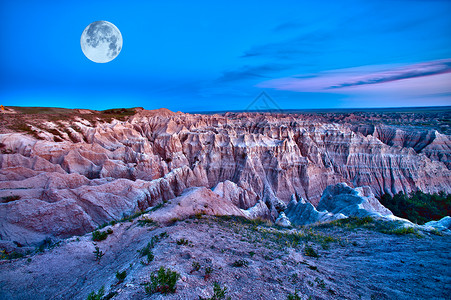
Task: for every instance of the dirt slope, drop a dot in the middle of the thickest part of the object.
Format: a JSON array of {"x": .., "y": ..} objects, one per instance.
[{"x": 352, "y": 264}]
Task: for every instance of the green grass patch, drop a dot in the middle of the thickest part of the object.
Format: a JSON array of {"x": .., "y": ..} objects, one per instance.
[{"x": 403, "y": 231}]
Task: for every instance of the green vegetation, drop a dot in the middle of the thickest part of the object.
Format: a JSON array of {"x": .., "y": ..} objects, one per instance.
[
  {"x": 10, "y": 255},
  {"x": 157, "y": 238},
  {"x": 418, "y": 207},
  {"x": 130, "y": 218},
  {"x": 242, "y": 220},
  {"x": 387, "y": 227},
  {"x": 97, "y": 296},
  {"x": 146, "y": 222},
  {"x": 320, "y": 283},
  {"x": 7, "y": 199},
  {"x": 147, "y": 252},
  {"x": 403, "y": 231},
  {"x": 309, "y": 251},
  {"x": 98, "y": 254},
  {"x": 101, "y": 235},
  {"x": 46, "y": 244},
  {"x": 183, "y": 241},
  {"x": 208, "y": 271},
  {"x": 218, "y": 293},
  {"x": 240, "y": 263},
  {"x": 196, "y": 267},
  {"x": 349, "y": 223},
  {"x": 262, "y": 232},
  {"x": 294, "y": 296},
  {"x": 119, "y": 111},
  {"x": 121, "y": 275},
  {"x": 164, "y": 282}
]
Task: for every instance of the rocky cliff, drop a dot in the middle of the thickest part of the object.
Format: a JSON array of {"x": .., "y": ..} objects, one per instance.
[{"x": 67, "y": 176}]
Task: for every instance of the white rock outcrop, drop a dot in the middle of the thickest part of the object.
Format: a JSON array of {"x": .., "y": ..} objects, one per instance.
[
  {"x": 337, "y": 202},
  {"x": 444, "y": 224}
]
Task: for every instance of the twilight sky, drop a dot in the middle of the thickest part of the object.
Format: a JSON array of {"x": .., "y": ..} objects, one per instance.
[{"x": 220, "y": 55}]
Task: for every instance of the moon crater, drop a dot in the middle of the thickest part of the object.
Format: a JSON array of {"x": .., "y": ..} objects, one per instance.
[{"x": 101, "y": 41}]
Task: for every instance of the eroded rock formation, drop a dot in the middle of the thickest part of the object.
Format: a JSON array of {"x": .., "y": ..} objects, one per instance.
[
  {"x": 338, "y": 202},
  {"x": 79, "y": 174}
]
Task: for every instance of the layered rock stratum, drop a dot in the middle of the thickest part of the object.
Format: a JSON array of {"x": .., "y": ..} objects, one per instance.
[{"x": 67, "y": 174}]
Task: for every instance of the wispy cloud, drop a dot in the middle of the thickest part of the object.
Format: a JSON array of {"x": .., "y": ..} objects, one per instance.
[
  {"x": 253, "y": 72},
  {"x": 335, "y": 80},
  {"x": 303, "y": 45},
  {"x": 413, "y": 71},
  {"x": 288, "y": 26}
]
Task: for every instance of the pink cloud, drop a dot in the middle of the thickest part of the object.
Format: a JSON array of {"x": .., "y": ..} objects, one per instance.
[{"x": 424, "y": 78}]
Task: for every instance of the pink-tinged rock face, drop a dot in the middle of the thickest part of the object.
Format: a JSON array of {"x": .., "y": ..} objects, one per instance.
[{"x": 109, "y": 170}]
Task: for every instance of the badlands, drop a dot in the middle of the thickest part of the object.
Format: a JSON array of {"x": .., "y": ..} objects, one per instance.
[{"x": 269, "y": 206}]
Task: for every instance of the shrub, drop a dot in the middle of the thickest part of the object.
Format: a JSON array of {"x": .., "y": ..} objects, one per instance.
[
  {"x": 46, "y": 243},
  {"x": 130, "y": 218},
  {"x": 164, "y": 282},
  {"x": 183, "y": 241},
  {"x": 218, "y": 293},
  {"x": 240, "y": 263},
  {"x": 98, "y": 254},
  {"x": 174, "y": 220},
  {"x": 121, "y": 275},
  {"x": 294, "y": 296},
  {"x": 199, "y": 215},
  {"x": 146, "y": 222},
  {"x": 147, "y": 251},
  {"x": 309, "y": 251},
  {"x": 99, "y": 235},
  {"x": 196, "y": 267},
  {"x": 320, "y": 283},
  {"x": 97, "y": 296},
  {"x": 208, "y": 271},
  {"x": 10, "y": 255}
]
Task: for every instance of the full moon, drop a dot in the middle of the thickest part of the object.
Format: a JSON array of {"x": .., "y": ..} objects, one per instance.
[{"x": 101, "y": 41}]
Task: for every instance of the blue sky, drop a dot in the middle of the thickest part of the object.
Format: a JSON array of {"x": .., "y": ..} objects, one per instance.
[{"x": 220, "y": 55}]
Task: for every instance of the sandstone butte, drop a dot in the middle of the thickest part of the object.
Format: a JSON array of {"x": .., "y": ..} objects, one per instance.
[{"x": 70, "y": 176}]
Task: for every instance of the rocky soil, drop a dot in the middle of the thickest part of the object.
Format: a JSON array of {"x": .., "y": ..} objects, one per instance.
[{"x": 353, "y": 263}]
